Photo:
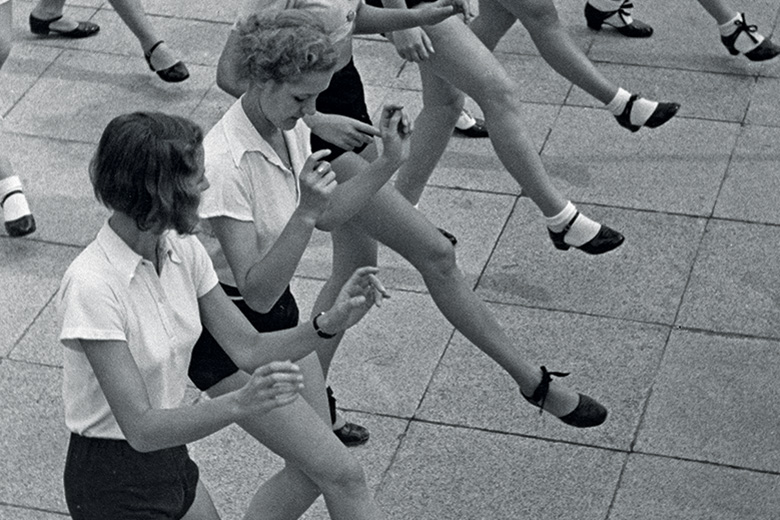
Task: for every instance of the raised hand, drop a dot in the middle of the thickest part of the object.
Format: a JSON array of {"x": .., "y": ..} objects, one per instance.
[
  {"x": 362, "y": 291},
  {"x": 396, "y": 131},
  {"x": 317, "y": 182},
  {"x": 271, "y": 386}
]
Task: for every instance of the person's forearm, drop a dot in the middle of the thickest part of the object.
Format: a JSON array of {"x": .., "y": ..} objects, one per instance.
[
  {"x": 250, "y": 353},
  {"x": 350, "y": 196},
  {"x": 157, "y": 429},
  {"x": 267, "y": 279},
  {"x": 373, "y": 20}
]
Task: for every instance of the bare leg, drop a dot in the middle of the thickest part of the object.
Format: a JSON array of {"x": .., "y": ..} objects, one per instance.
[
  {"x": 463, "y": 63},
  {"x": 203, "y": 507},
  {"x": 719, "y": 10},
  {"x": 316, "y": 460},
  {"x": 351, "y": 249},
  {"x": 441, "y": 107},
  {"x": 540, "y": 18},
  {"x": 132, "y": 14},
  {"x": 391, "y": 219}
]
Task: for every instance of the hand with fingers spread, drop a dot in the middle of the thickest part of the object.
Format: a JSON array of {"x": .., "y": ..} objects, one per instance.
[
  {"x": 344, "y": 132},
  {"x": 362, "y": 291},
  {"x": 271, "y": 386},
  {"x": 317, "y": 182},
  {"x": 396, "y": 130}
]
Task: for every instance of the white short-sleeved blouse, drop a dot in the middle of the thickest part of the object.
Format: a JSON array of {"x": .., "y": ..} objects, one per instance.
[{"x": 110, "y": 292}]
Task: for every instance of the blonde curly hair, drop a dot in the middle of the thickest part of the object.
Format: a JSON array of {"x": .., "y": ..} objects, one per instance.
[{"x": 281, "y": 45}]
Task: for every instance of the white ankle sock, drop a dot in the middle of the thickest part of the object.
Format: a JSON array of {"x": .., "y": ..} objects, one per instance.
[
  {"x": 15, "y": 205},
  {"x": 744, "y": 42},
  {"x": 640, "y": 111},
  {"x": 465, "y": 120},
  {"x": 582, "y": 230}
]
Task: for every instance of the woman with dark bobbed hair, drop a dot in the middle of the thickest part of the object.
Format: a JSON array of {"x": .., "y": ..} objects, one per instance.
[{"x": 132, "y": 306}]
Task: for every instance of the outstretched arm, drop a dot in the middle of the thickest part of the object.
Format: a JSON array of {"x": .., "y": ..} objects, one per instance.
[
  {"x": 372, "y": 20},
  {"x": 248, "y": 349}
]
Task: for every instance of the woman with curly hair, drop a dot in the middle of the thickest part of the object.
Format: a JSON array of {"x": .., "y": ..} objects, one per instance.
[{"x": 268, "y": 193}]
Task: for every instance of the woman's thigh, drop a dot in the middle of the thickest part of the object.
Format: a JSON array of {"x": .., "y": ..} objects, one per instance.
[
  {"x": 464, "y": 62},
  {"x": 296, "y": 432},
  {"x": 203, "y": 507}
]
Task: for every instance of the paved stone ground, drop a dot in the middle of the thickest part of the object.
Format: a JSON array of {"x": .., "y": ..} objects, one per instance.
[{"x": 677, "y": 331}]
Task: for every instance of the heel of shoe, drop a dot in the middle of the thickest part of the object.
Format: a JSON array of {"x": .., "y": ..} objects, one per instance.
[
  {"x": 41, "y": 27},
  {"x": 728, "y": 42},
  {"x": 595, "y": 18},
  {"x": 557, "y": 239},
  {"x": 148, "y": 55}
]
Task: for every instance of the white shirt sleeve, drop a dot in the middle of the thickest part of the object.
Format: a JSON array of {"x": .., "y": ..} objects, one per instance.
[
  {"x": 202, "y": 267},
  {"x": 229, "y": 193},
  {"x": 89, "y": 309}
]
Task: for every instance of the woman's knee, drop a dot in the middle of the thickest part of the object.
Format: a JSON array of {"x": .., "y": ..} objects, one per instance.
[
  {"x": 437, "y": 259},
  {"x": 344, "y": 475}
]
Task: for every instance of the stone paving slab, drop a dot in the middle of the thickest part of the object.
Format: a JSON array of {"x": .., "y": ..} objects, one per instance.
[
  {"x": 705, "y": 405},
  {"x": 733, "y": 287},
  {"x": 653, "y": 487},
  {"x": 33, "y": 442},
  {"x": 445, "y": 472},
  {"x": 752, "y": 179},
  {"x": 31, "y": 273}
]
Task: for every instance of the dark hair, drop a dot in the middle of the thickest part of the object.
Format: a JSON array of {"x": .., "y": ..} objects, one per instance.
[
  {"x": 280, "y": 45},
  {"x": 144, "y": 167}
]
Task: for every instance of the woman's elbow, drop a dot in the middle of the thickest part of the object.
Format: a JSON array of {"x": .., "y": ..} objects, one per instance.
[
  {"x": 139, "y": 441},
  {"x": 261, "y": 305}
]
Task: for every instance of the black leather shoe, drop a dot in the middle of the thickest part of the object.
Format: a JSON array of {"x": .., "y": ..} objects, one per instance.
[
  {"x": 587, "y": 414},
  {"x": 766, "y": 50},
  {"x": 174, "y": 74},
  {"x": 352, "y": 434},
  {"x": 605, "y": 240},
  {"x": 662, "y": 113},
  {"x": 636, "y": 29},
  {"x": 43, "y": 28},
  {"x": 21, "y": 226},
  {"x": 476, "y": 131}
]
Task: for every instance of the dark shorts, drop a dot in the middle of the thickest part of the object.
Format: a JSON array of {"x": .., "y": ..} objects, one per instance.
[
  {"x": 345, "y": 97},
  {"x": 210, "y": 364},
  {"x": 107, "y": 478}
]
